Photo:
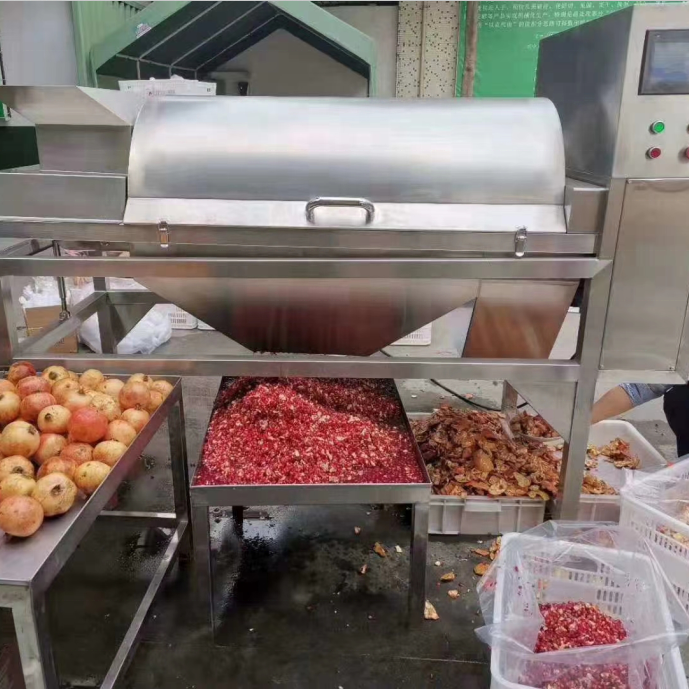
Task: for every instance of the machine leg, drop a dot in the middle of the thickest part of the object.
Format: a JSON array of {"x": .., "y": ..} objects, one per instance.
[
  {"x": 8, "y": 329},
  {"x": 200, "y": 521},
  {"x": 108, "y": 342},
  {"x": 33, "y": 637},
  {"x": 417, "y": 575},
  {"x": 510, "y": 397},
  {"x": 589, "y": 348},
  {"x": 180, "y": 469}
]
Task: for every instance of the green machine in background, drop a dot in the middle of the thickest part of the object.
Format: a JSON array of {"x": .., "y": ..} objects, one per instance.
[{"x": 508, "y": 38}]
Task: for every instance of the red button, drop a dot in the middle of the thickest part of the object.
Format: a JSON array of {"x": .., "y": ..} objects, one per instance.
[{"x": 653, "y": 152}]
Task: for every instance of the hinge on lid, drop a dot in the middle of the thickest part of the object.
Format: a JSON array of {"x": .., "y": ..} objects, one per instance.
[
  {"x": 163, "y": 234},
  {"x": 520, "y": 242}
]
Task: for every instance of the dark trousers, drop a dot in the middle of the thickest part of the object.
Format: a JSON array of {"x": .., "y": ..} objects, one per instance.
[{"x": 676, "y": 408}]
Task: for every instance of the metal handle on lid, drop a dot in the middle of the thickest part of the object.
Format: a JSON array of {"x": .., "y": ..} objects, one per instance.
[{"x": 339, "y": 202}]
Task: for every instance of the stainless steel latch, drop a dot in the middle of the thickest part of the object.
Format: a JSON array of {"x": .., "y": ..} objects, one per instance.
[
  {"x": 520, "y": 242},
  {"x": 163, "y": 234}
]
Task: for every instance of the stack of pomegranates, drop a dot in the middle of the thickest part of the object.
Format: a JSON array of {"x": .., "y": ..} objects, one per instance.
[{"x": 61, "y": 434}]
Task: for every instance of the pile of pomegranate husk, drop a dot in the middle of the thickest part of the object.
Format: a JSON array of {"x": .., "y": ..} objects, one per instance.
[{"x": 61, "y": 435}]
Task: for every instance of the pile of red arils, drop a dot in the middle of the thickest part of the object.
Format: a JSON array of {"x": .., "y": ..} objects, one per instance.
[
  {"x": 577, "y": 625},
  {"x": 298, "y": 431}
]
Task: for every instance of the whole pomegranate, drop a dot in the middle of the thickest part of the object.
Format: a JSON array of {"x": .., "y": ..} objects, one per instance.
[
  {"x": 6, "y": 386},
  {"x": 58, "y": 465},
  {"x": 87, "y": 426},
  {"x": 55, "y": 373},
  {"x": 56, "y": 493},
  {"x": 15, "y": 465},
  {"x": 106, "y": 405},
  {"x": 91, "y": 378},
  {"x": 156, "y": 399},
  {"x": 141, "y": 378},
  {"x": 79, "y": 452},
  {"x": 16, "y": 484},
  {"x": 32, "y": 405},
  {"x": 122, "y": 431},
  {"x": 109, "y": 452},
  {"x": 78, "y": 400},
  {"x": 63, "y": 388},
  {"x": 10, "y": 405},
  {"x": 50, "y": 445},
  {"x": 19, "y": 438},
  {"x": 20, "y": 516},
  {"x": 90, "y": 475},
  {"x": 54, "y": 419},
  {"x": 27, "y": 386},
  {"x": 112, "y": 387},
  {"x": 163, "y": 387},
  {"x": 137, "y": 417},
  {"x": 22, "y": 369},
  {"x": 135, "y": 394}
]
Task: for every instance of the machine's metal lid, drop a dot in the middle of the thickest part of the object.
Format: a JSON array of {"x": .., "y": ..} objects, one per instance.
[{"x": 225, "y": 149}]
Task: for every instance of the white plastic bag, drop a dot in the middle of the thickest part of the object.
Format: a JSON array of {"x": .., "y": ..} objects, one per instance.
[
  {"x": 148, "y": 334},
  {"x": 566, "y": 562}
]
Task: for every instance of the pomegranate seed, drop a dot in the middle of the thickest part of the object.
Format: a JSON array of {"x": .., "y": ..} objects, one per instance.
[
  {"x": 577, "y": 625},
  {"x": 307, "y": 431}
]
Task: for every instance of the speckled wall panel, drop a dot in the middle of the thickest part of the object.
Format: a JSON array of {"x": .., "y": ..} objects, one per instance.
[
  {"x": 427, "y": 40},
  {"x": 409, "y": 33},
  {"x": 439, "y": 50}
]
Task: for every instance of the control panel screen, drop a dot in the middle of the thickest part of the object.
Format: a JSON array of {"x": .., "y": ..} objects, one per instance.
[{"x": 666, "y": 63}]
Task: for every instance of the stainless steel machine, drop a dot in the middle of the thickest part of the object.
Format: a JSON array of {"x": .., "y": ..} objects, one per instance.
[{"x": 316, "y": 231}]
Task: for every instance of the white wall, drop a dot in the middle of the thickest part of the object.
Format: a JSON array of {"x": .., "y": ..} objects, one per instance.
[
  {"x": 282, "y": 65},
  {"x": 37, "y": 40}
]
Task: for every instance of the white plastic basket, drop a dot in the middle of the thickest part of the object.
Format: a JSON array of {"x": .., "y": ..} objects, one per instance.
[
  {"x": 658, "y": 527},
  {"x": 606, "y": 508},
  {"x": 179, "y": 320},
  {"x": 420, "y": 337},
  {"x": 558, "y": 584},
  {"x": 204, "y": 326},
  {"x": 476, "y": 515}
]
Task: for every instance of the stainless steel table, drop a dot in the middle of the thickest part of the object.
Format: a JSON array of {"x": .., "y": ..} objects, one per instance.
[{"x": 28, "y": 567}]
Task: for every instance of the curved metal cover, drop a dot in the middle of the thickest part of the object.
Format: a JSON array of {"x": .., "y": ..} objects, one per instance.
[{"x": 495, "y": 151}]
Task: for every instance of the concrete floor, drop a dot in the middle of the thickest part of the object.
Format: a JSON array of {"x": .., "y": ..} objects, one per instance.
[{"x": 291, "y": 609}]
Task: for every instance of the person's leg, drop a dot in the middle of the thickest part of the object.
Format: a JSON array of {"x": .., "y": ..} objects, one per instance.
[{"x": 676, "y": 408}]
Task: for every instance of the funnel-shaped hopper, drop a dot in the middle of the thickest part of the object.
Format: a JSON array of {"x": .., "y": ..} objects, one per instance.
[{"x": 323, "y": 316}]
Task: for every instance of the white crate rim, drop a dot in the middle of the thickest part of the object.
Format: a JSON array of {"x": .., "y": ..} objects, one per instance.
[{"x": 675, "y": 664}]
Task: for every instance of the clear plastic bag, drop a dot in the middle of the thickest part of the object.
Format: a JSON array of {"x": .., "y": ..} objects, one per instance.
[
  {"x": 567, "y": 562},
  {"x": 666, "y": 490}
]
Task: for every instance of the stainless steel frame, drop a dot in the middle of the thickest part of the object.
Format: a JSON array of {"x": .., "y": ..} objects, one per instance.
[
  {"x": 27, "y": 568},
  {"x": 203, "y": 498}
]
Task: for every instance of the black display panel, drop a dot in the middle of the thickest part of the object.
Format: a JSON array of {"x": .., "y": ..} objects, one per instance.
[{"x": 666, "y": 63}]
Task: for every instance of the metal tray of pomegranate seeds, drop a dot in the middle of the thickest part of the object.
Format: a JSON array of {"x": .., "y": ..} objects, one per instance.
[{"x": 227, "y": 431}]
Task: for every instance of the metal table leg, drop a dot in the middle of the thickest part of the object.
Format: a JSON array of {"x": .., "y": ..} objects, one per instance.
[
  {"x": 180, "y": 469},
  {"x": 33, "y": 637},
  {"x": 200, "y": 522},
  {"x": 419, "y": 548}
]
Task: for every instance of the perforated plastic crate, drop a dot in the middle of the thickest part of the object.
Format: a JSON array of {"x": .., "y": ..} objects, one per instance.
[
  {"x": 559, "y": 584},
  {"x": 606, "y": 508},
  {"x": 668, "y": 536},
  {"x": 477, "y": 515}
]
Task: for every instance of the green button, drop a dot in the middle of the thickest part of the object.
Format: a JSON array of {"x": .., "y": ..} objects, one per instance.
[{"x": 658, "y": 127}]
